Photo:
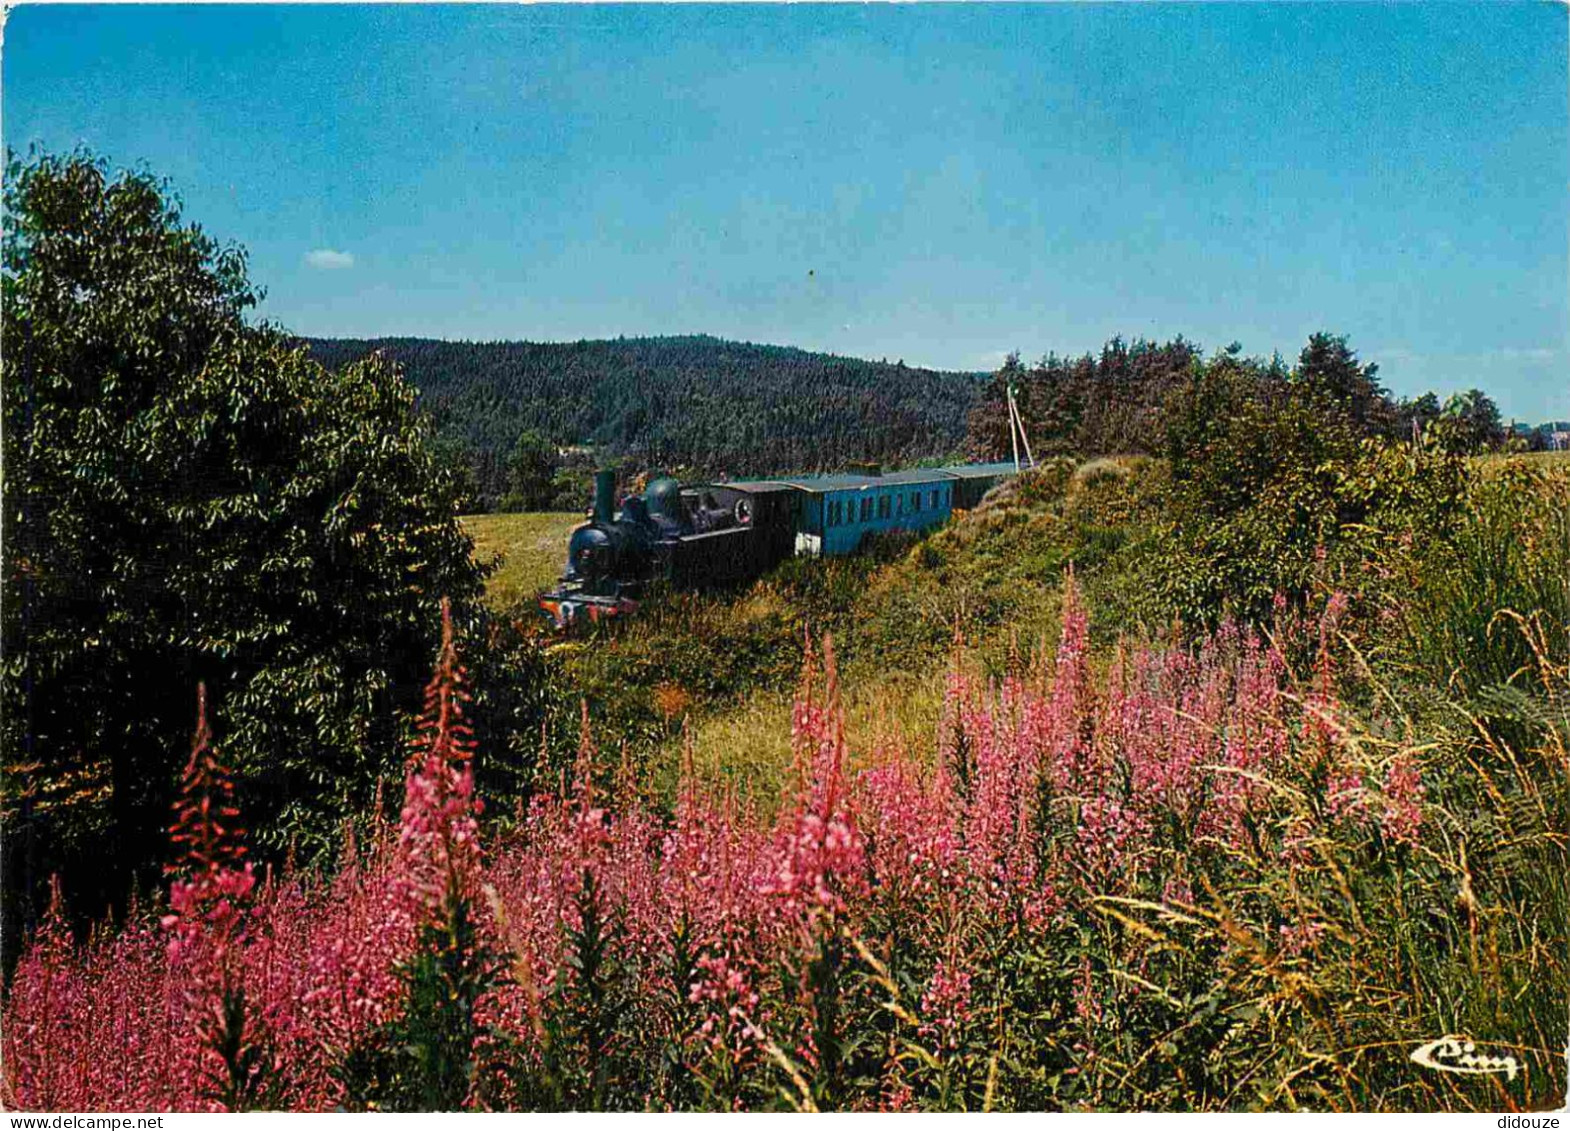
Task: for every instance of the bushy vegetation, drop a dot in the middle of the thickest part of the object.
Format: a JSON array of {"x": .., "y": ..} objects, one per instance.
[{"x": 1276, "y": 485}]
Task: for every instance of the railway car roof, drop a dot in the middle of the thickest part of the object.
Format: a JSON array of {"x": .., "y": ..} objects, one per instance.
[
  {"x": 824, "y": 483},
  {"x": 751, "y": 486},
  {"x": 979, "y": 470}
]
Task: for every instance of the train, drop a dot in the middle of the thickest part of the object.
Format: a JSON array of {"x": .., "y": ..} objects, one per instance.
[{"x": 700, "y": 534}]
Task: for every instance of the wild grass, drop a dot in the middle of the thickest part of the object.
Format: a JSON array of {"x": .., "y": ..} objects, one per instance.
[
  {"x": 747, "y": 749},
  {"x": 1540, "y": 460},
  {"x": 530, "y": 550},
  {"x": 1483, "y": 607}
]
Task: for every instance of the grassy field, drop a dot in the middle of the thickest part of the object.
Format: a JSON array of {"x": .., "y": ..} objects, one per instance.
[
  {"x": 532, "y": 548},
  {"x": 1541, "y": 460}
]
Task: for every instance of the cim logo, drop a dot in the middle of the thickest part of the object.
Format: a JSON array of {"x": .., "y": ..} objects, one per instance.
[{"x": 1457, "y": 1054}]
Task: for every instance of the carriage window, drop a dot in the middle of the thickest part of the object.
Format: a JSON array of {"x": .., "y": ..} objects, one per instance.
[
  {"x": 883, "y": 507},
  {"x": 866, "y": 510},
  {"x": 915, "y": 500}
]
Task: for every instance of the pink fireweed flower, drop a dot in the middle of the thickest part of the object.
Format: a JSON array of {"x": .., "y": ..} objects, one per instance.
[
  {"x": 208, "y": 931},
  {"x": 726, "y": 991},
  {"x": 1404, "y": 791},
  {"x": 1344, "y": 794},
  {"x": 1177, "y": 890},
  {"x": 438, "y": 835},
  {"x": 1069, "y": 704},
  {"x": 1299, "y": 937},
  {"x": 1087, "y": 1003},
  {"x": 820, "y": 854},
  {"x": 1047, "y": 789},
  {"x": 215, "y": 880},
  {"x": 913, "y": 845},
  {"x": 1110, "y": 837},
  {"x": 945, "y": 1005}
]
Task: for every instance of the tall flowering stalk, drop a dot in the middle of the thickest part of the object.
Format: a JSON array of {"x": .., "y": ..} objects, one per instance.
[
  {"x": 821, "y": 873},
  {"x": 438, "y": 879},
  {"x": 438, "y": 839},
  {"x": 212, "y": 879},
  {"x": 208, "y": 896}
]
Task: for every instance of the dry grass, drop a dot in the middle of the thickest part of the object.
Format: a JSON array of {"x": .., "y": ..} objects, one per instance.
[{"x": 749, "y": 747}]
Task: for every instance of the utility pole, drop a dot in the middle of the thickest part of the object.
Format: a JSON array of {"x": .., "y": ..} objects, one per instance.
[
  {"x": 1008, "y": 391},
  {"x": 1018, "y": 421}
]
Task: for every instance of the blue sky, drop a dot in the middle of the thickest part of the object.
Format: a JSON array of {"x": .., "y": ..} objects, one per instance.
[{"x": 941, "y": 184}]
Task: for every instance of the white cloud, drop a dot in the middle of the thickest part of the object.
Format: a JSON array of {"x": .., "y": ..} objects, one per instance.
[
  {"x": 993, "y": 359},
  {"x": 326, "y": 259}
]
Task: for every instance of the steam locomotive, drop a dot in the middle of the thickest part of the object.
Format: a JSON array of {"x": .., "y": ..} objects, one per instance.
[
  {"x": 717, "y": 533},
  {"x": 688, "y": 536}
]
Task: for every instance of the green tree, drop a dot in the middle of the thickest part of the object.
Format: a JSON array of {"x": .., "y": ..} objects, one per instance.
[
  {"x": 1328, "y": 369},
  {"x": 188, "y": 498},
  {"x": 530, "y": 474},
  {"x": 1469, "y": 422}
]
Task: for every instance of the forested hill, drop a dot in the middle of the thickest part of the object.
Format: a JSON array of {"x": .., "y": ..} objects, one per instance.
[{"x": 693, "y": 401}]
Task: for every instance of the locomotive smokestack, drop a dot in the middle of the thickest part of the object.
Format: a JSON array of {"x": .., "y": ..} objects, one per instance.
[{"x": 604, "y": 494}]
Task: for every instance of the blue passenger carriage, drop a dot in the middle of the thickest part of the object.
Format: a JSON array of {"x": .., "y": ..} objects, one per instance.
[{"x": 838, "y": 511}]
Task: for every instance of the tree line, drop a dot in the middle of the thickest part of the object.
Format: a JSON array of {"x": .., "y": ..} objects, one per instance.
[
  {"x": 695, "y": 402},
  {"x": 1119, "y": 402},
  {"x": 522, "y": 424}
]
